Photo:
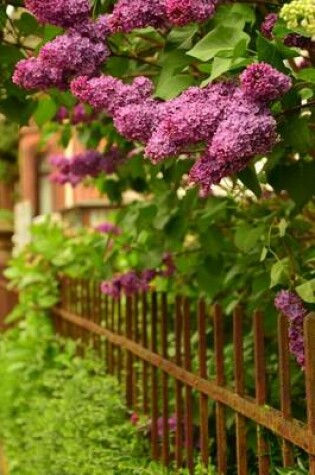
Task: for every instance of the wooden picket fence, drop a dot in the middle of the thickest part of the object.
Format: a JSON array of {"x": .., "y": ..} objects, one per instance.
[{"x": 171, "y": 357}]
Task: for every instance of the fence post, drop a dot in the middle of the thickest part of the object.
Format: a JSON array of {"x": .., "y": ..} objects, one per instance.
[
  {"x": 309, "y": 338},
  {"x": 129, "y": 356},
  {"x": 239, "y": 377}
]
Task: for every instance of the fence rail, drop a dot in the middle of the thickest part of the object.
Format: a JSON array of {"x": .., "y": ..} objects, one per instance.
[{"x": 172, "y": 360}]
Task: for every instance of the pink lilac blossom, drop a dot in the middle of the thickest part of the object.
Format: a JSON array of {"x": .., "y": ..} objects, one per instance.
[
  {"x": 62, "y": 114},
  {"x": 109, "y": 93},
  {"x": 133, "y": 282},
  {"x": 74, "y": 54},
  {"x": 182, "y": 12},
  {"x": 130, "y": 14},
  {"x": 294, "y": 40},
  {"x": 297, "y": 41},
  {"x": 32, "y": 74},
  {"x": 80, "y": 51},
  {"x": 191, "y": 118},
  {"x": 263, "y": 83},
  {"x": 171, "y": 423},
  {"x": 137, "y": 121},
  {"x": 268, "y": 24},
  {"x": 87, "y": 164},
  {"x": 134, "y": 418},
  {"x": 108, "y": 228},
  {"x": 233, "y": 123},
  {"x": 97, "y": 30},
  {"x": 78, "y": 115},
  {"x": 62, "y": 13},
  {"x": 169, "y": 265},
  {"x": 129, "y": 283},
  {"x": 292, "y": 307},
  {"x": 81, "y": 116},
  {"x": 60, "y": 60}
]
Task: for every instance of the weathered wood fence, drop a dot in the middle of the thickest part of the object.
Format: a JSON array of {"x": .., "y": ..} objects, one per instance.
[{"x": 172, "y": 359}]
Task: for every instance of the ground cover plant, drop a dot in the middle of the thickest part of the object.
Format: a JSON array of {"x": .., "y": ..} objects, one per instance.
[{"x": 61, "y": 414}]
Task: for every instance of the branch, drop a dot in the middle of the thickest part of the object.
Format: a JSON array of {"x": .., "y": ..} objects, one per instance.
[{"x": 297, "y": 108}]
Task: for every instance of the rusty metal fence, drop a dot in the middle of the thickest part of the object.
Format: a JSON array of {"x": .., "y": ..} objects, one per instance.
[{"x": 171, "y": 358}]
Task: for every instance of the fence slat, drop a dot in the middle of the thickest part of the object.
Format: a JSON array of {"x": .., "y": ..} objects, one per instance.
[
  {"x": 221, "y": 442},
  {"x": 97, "y": 314},
  {"x": 119, "y": 350},
  {"x": 154, "y": 382},
  {"x": 188, "y": 391},
  {"x": 81, "y": 331},
  {"x": 105, "y": 323},
  {"x": 135, "y": 337},
  {"x": 309, "y": 333},
  {"x": 178, "y": 384},
  {"x": 261, "y": 388},
  {"x": 285, "y": 386},
  {"x": 165, "y": 395},
  {"x": 203, "y": 372},
  {"x": 145, "y": 366},
  {"x": 239, "y": 374},
  {"x": 129, "y": 356}
]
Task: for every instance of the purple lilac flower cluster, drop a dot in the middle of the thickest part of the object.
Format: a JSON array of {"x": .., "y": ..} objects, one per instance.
[
  {"x": 130, "y": 14},
  {"x": 62, "y": 13},
  {"x": 298, "y": 41},
  {"x": 108, "y": 228},
  {"x": 171, "y": 423},
  {"x": 181, "y": 12},
  {"x": 78, "y": 115},
  {"x": 234, "y": 121},
  {"x": 133, "y": 282},
  {"x": 290, "y": 305},
  {"x": 129, "y": 283},
  {"x": 292, "y": 39},
  {"x": 268, "y": 24},
  {"x": 127, "y": 14},
  {"x": 87, "y": 164},
  {"x": 81, "y": 50}
]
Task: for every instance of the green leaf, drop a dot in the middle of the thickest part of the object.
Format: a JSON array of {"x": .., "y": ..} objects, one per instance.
[
  {"x": 296, "y": 133},
  {"x": 307, "y": 291},
  {"x": 307, "y": 74},
  {"x": 235, "y": 15},
  {"x": 219, "y": 66},
  {"x": 298, "y": 179},
  {"x": 170, "y": 89},
  {"x": 46, "y": 110},
  {"x": 182, "y": 37},
  {"x": 210, "y": 281},
  {"x": 27, "y": 24},
  {"x": 10, "y": 54},
  {"x": 279, "y": 272},
  {"x": 247, "y": 236},
  {"x": 17, "y": 110},
  {"x": 269, "y": 53},
  {"x": 249, "y": 178},
  {"x": 221, "y": 39},
  {"x": 3, "y": 16},
  {"x": 171, "y": 83}
]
